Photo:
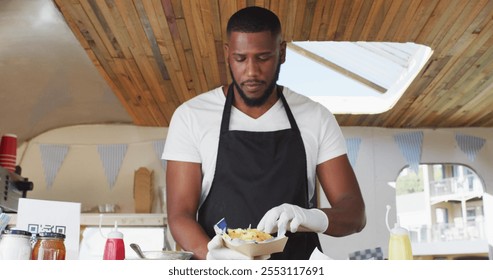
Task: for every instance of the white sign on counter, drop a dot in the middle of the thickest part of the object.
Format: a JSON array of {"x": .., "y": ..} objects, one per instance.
[{"x": 37, "y": 216}]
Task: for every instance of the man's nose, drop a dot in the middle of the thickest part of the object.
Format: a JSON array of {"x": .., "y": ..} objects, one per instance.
[{"x": 252, "y": 68}]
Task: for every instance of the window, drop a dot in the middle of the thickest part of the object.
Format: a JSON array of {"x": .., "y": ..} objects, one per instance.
[
  {"x": 443, "y": 202},
  {"x": 441, "y": 215},
  {"x": 471, "y": 213},
  {"x": 353, "y": 77}
]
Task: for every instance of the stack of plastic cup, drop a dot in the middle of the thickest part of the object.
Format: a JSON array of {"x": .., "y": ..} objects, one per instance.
[{"x": 8, "y": 152}]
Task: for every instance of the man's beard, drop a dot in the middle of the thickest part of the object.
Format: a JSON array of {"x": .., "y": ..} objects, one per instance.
[{"x": 257, "y": 102}]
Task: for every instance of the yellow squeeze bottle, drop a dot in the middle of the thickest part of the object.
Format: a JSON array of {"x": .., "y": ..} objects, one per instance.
[{"x": 399, "y": 243}]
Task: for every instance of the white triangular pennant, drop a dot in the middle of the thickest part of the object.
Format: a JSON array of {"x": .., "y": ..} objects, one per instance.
[
  {"x": 158, "y": 150},
  {"x": 470, "y": 145},
  {"x": 112, "y": 156},
  {"x": 353, "y": 149},
  {"x": 52, "y": 156},
  {"x": 410, "y": 145}
]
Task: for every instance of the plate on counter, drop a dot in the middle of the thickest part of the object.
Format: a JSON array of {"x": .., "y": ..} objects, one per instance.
[{"x": 166, "y": 255}]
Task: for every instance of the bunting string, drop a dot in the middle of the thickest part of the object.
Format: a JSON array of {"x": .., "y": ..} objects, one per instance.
[
  {"x": 410, "y": 144},
  {"x": 353, "y": 149},
  {"x": 112, "y": 156},
  {"x": 158, "y": 150},
  {"x": 52, "y": 157},
  {"x": 470, "y": 145}
]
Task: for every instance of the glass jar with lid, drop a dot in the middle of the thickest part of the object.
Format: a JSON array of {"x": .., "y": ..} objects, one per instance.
[
  {"x": 49, "y": 246},
  {"x": 15, "y": 244}
]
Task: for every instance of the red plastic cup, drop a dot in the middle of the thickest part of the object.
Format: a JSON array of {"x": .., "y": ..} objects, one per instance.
[
  {"x": 9, "y": 167},
  {"x": 8, "y": 151},
  {"x": 12, "y": 157},
  {"x": 8, "y": 145},
  {"x": 7, "y": 160}
]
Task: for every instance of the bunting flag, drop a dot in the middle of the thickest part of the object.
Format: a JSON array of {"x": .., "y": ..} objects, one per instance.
[
  {"x": 158, "y": 149},
  {"x": 410, "y": 145},
  {"x": 353, "y": 149},
  {"x": 112, "y": 156},
  {"x": 470, "y": 145},
  {"x": 52, "y": 157}
]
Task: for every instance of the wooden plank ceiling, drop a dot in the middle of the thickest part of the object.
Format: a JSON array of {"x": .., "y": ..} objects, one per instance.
[{"x": 156, "y": 54}]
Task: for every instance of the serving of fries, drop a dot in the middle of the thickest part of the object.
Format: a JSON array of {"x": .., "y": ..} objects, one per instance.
[
  {"x": 250, "y": 234},
  {"x": 251, "y": 241}
]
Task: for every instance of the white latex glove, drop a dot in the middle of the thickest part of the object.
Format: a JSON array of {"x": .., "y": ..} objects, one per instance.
[
  {"x": 217, "y": 251},
  {"x": 293, "y": 218}
]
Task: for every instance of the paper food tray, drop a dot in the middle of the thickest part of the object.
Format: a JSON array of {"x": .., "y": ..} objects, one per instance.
[{"x": 254, "y": 249}]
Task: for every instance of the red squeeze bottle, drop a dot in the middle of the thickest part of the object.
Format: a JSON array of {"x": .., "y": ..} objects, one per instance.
[{"x": 115, "y": 247}]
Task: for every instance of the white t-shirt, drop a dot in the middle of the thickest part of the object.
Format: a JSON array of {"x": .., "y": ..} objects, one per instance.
[{"x": 193, "y": 134}]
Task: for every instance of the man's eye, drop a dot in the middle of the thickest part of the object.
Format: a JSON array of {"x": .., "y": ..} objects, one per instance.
[{"x": 239, "y": 58}]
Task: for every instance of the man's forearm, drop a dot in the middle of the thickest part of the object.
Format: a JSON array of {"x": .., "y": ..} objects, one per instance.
[
  {"x": 189, "y": 235},
  {"x": 345, "y": 218}
]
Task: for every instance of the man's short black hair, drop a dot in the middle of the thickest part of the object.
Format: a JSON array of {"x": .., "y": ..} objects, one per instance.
[{"x": 254, "y": 19}]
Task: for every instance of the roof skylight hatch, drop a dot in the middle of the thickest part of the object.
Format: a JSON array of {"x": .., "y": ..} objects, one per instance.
[{"x": 353, "y": 77}]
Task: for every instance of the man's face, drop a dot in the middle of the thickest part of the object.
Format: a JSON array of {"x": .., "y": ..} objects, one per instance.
[{"x": 254, "y": 62}]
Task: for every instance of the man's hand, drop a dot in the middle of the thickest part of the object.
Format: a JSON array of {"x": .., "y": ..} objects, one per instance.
[{"x": 293, "y": 218}]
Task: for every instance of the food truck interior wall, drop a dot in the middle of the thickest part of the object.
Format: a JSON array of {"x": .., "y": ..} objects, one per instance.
[{"x": 81, "y": 177}]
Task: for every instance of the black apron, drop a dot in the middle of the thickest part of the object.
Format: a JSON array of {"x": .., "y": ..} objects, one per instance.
[{"x": 256, "y": 171}]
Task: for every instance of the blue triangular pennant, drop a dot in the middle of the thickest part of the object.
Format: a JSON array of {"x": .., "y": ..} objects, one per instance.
[
  {"x": 410, "y": 145},
  {"x": 52, "y": 156},
  {"x": 158, "y": 149},
  {"x": 112, "y": 156},
  {"x": 470, "y": 145},
  {"x": 353, "y": 149}
]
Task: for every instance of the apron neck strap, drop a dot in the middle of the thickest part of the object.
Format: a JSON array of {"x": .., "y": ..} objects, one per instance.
[
  {"x": 227, "y": 110},
  {"x": 229, "y": 103}
]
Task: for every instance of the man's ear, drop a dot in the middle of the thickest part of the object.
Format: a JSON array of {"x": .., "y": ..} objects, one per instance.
[
  {"x": 282, "y": 52},
  {"x": 226, "y": 52}
]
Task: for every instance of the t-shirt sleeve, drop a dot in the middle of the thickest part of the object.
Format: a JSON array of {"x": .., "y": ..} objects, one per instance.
[
  {"x": 332, "y": 141},
  {"x": 180, "y": 142}
]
